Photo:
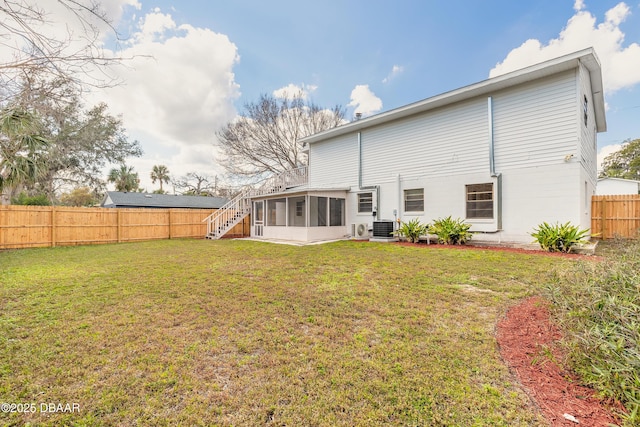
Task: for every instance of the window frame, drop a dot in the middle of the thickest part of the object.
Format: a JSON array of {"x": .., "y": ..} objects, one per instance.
[
  {"x": 407, "y": 203},
  {"x": 472, "y": 206},
  {"x": 364, "y": 202}
]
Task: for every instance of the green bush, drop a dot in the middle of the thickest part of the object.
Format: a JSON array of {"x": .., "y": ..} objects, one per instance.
[
  {"x": 26, "y": 200},
  {"x": 598, "y": 306},
  {"x": 451, "y": 231},
  {"x": 558, "y": 237},
  {"x": 412, "y": 230}
]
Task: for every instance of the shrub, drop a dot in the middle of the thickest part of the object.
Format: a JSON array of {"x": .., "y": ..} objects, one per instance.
[
  {"x": 597, "y": 306},
  {"x": 451, "y": 231},
  {"x": 412, "y": 230},
  {"x": 26, "y": 200},
  {"x": 558, "y": 237}
]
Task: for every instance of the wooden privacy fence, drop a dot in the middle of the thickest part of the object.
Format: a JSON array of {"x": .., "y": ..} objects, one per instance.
[
  {"x": 615, "y": 216},
  {"x": 35, "y": 226}
]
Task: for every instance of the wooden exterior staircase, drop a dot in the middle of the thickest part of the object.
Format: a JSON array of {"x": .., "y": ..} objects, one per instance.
[{"x": 225, "y": 218}]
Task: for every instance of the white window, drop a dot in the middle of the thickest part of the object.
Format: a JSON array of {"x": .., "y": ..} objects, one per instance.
[
  {"x": 365, "y": 202},
  {"x": 585, "y": 110},
  {"x": 414, "y": 200},
  {"x": 480, "y": 201}
]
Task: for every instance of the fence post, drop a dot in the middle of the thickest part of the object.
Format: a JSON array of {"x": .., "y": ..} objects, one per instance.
[
  {"x": 53, "y": 226},
  {"x": 119, "y": 225},
  {"x": 170, "y": 223},
  {"x": 603, "y": 217}
]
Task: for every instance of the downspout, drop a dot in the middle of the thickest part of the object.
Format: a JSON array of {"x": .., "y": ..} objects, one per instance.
[
  {"x": 492, "y": 165},
  {"x": 370, "y": 187}
]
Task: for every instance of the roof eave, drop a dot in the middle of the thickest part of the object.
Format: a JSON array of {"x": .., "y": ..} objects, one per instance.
[{"x": 534, "y": 72}]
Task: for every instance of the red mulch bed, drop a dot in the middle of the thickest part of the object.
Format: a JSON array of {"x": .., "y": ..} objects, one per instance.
[
  {"x": 500, "y": 248},
  {"x": 528, "y": 344}
]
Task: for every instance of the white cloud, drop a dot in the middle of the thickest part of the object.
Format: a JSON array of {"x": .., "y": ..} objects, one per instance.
[
  {"x": 619, "y": 63},
  {"x": 292, "y": 90},
  {"x": 395, "y": 71},
  {"x": 605, "y": 151},
  {"x": 365, "y": 101},
  {"x": 178, "y": 90}
]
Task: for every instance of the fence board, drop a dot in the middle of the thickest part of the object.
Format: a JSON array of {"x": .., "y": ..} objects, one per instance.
[
  {"x": 41, "y": 226},
  {"x": 615, "y": 216}
]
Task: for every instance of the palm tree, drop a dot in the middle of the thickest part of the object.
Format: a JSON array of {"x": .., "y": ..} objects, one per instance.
[
  {"x": 125, "y": 179},
  {"x": 20, "y": 148},
  {"x": 160, "y": 173}
]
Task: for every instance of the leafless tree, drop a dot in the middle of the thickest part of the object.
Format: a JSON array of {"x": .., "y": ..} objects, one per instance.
[
  {"x": 265, "y": 138},
  {"x": 33, "y": 42},
  {"x": 195, "y": 184}
]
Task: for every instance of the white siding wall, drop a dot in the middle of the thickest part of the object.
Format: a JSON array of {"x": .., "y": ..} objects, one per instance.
[
  {"x": 334, "y": 163},
  {"x": 617, "y": 186},
  {"x": 588, "y": 134},
  {"x": 535, "y": 127},
  {"x": 446, "y": 141},
  {"x": 588, "y": 151}
]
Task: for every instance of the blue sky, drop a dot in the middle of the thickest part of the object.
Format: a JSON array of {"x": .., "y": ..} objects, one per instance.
[{"x": 211, "y": 57}]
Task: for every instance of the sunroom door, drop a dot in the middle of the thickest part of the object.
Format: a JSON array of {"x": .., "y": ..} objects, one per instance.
[{"x": 258, "y": 215}]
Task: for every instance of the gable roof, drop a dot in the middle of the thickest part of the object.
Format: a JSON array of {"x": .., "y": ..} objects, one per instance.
[
  {"x": 587, "y": 57},
  {"x": 118, "y": 199}
]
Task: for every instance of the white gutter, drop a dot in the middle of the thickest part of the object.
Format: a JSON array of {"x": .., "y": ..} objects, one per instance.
[
  {"x": 370, "y": 187},
  {"x": 492, "y": 164}
]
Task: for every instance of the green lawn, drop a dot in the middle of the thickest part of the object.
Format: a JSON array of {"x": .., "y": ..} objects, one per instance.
[{"x": 196, "y": 332}]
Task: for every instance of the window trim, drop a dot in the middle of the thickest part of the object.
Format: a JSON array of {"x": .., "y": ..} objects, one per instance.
[
  {"x": 360, "y": 202},
  {"x": 421, "y": 200},
  {"x": 469, "y": 204},
  {"x": 585, "y": 110}
]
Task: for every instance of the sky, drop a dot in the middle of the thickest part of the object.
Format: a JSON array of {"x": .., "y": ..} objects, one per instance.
[{"x": 197, "y": 63}]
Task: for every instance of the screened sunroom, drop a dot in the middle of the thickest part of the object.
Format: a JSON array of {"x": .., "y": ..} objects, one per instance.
[{"x": 304, "y": 216}]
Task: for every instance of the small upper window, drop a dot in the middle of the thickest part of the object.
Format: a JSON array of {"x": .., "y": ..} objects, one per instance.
[
  {"x": 365, "y": 202},
  {"x": 414, "y": 200},
  {"x": 585, "y": 110}
]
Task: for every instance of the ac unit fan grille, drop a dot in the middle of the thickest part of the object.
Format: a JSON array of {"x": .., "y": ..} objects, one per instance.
[{"x": 382, "y": 229}]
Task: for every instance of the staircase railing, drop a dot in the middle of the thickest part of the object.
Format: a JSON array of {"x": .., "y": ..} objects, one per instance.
[
  {"x": 225, "y": 218},
  {"x": 287, "y": 179}
]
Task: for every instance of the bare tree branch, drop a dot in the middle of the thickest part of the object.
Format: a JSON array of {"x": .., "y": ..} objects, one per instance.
[
  {"x": 264, "y": 140},
  {"x": 71, "y": 51}
]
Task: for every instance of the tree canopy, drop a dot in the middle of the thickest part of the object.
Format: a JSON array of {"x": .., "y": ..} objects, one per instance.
[
  {"x": 265, "y": 138},
  {"x": 624, "y": 163},
  {"x": 124, "y": 178},
  {"x": 80, "y": 142},
  {"x": 160, "y": 173},
  {"x": 21, "y": 148}
]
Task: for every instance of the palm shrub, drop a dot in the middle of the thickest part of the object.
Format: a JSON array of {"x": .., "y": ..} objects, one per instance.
[
  {"x": 412, "y": 230},
  {"x": 559, "y": 237},
  {"x": 451, "y": 231}
]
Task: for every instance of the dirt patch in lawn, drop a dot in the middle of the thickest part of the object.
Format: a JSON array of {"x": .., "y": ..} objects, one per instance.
[{"x": 528, "y": 344}]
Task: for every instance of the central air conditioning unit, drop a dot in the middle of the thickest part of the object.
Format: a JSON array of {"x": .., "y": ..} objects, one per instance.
[
  {"x": 360, "y": 231},
  {"x": 383, "y": 231}
]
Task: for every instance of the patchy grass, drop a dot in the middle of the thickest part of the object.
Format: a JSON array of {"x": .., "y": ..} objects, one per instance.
[
  {"x": 598, "y": 306},
  {"x": 196, "y": 332}
]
